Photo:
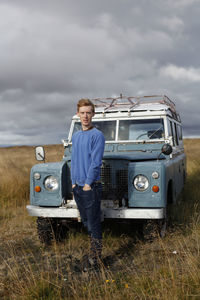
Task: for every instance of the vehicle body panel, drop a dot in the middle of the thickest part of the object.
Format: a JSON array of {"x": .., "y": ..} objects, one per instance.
[{"x": 50, "y": 198}]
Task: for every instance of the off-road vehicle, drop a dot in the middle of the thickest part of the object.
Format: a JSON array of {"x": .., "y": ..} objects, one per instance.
[{"x": 142, "y": 174}]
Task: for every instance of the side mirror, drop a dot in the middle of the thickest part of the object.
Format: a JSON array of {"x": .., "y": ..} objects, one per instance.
[
  {"x": 39, "y": 153},
  {"x": 166, "y": 149},
  {"x": 65, "y": 143}
]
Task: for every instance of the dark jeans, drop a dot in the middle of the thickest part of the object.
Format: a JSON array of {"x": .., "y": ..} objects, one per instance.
[{"x": 89, "y": 205}]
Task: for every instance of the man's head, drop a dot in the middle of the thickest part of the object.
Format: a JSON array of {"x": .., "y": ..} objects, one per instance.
[
  {"x": 85, "y": 111},
  {"x": 85, "y": 102}
]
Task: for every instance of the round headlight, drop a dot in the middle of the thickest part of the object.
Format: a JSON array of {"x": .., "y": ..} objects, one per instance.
[
  {"x": 51, "y": 183},
  {"x": 141, "y": 182},
  {"x": 37, "y": 176},
  {"x": 155, "y": 175}
]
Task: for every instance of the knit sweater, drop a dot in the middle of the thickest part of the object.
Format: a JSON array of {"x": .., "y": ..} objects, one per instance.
[{"x": 86, "y": 158}]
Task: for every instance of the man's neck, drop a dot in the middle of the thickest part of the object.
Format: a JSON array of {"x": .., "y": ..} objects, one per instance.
[{"x": 85, "y": 128}]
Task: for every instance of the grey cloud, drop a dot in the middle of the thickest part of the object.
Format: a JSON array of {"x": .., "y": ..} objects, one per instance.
[{"x": 53, "y": 53}]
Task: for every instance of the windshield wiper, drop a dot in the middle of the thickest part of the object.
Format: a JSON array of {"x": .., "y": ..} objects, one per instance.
[{"x": 155, "y": 131}]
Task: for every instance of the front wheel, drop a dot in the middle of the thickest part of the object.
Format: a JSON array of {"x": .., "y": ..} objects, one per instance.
[
  {"x": 154, "y": 228},
  {"x": 50, "y": 229},
  {"x": 157, "y": 228},
  {"x": 150, "y": 230}
]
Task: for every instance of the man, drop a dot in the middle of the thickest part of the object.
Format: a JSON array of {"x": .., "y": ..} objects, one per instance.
[{"x": 87, "y": 152}]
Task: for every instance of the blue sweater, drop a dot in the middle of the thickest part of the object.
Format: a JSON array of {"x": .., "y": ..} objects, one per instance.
[{"x": 86, "y": 158}]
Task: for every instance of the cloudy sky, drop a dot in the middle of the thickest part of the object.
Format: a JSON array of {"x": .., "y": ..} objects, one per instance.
[{"x": 54, "y": 52}]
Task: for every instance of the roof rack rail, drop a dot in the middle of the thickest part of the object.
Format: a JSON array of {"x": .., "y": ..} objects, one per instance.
[{"x": 132, "y": 102}]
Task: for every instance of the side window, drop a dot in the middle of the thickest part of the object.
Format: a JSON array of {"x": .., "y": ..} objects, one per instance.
[
  {"x": 172, "y": 132},
  {"x": 169, "y": 128},
  {"x": 180, "y": 135},
  {"x": 176, "y": 134}
]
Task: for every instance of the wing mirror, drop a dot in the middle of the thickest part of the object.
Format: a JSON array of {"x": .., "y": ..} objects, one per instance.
[
  {"x": 166, "y": 149},
  {"x": 65, "y": 143},
  {"x": 39, "y": 153}
]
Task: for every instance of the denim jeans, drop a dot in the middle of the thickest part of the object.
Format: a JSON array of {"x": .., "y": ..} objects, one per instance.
[{"x": 89, "y": 205}]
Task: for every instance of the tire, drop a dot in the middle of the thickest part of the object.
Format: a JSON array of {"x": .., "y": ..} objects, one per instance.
[
  {"x": 163, "y": 226},
  {"x": 150, "y": 230},
  {"x": 44, "y": 230},
  {"x": 153, "y": 229},
  {"x": 50, "y": 229}
]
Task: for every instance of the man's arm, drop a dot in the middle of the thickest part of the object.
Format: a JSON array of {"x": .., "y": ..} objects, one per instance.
[{"x": 96, "y": 160}]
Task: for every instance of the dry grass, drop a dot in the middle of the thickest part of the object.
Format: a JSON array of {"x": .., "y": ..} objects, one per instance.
[
  {"x": 164, "y": 269},
  {"x": 15, "y": 165}
]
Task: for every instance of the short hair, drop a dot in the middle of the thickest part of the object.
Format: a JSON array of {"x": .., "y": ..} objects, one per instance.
[{"x": 85, "y": 102}]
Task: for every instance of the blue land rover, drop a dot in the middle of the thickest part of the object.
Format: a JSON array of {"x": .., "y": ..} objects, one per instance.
[{"x": 142, "y": 174}]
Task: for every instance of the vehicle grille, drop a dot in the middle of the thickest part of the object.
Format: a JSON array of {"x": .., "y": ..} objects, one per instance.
[{"x": 114, "y": 178}]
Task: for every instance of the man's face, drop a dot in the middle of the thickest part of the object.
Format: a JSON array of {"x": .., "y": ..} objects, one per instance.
[{"x": 85, "y": 114}]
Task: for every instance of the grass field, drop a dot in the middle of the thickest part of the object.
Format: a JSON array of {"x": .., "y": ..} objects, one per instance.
[{"x": 167, "y": 268}]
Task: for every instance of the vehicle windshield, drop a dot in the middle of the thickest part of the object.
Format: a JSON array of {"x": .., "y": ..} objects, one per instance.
[
  {"x": 141, "y": 129},
  {"x": 145, "y": 129},
  {"x": 108, "y": 128}
]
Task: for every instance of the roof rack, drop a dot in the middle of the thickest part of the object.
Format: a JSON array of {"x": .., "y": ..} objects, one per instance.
[{"x": 132, "y": 102}]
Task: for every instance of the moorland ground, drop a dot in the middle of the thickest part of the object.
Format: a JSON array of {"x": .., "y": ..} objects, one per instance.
[{"x": 167, "y": 268}]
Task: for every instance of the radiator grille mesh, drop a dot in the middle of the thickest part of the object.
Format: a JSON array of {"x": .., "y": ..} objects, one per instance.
[{"x": 114, "y": 180}]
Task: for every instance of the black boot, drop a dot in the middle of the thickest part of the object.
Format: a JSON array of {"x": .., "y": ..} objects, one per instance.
[
  {"x": 92, "y": 262},
  {"x": 95, "y": 248}
]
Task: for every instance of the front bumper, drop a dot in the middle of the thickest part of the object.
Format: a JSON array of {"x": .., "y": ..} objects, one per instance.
[{"x": 107, "y": 213}]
